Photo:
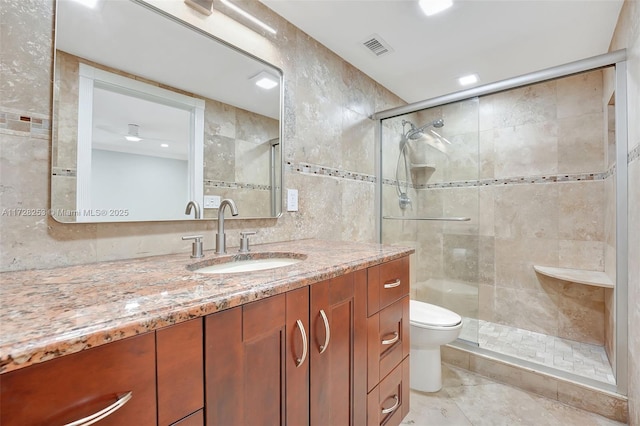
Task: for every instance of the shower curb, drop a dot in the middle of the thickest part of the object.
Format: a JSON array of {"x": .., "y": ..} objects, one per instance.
[{"x": 599, "y": 401}]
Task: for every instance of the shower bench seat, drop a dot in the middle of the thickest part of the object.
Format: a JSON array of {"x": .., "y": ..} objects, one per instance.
[{"x": 580, "y": 276}]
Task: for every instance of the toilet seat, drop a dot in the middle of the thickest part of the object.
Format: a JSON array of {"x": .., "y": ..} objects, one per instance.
[{"x": 426, "y": 315}]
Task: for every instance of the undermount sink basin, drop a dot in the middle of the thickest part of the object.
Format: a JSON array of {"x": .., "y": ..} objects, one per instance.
[{"x": 246, "y": 263}]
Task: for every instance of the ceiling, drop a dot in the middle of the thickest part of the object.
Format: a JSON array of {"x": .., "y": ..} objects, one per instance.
[{"x": 495, "y": 39}]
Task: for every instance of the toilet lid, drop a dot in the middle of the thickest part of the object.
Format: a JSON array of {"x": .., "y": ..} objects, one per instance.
[{"x": 428, "y": 314}]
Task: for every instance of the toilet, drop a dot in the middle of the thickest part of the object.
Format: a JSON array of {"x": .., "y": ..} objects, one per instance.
[{"x": 431, "y": 326}]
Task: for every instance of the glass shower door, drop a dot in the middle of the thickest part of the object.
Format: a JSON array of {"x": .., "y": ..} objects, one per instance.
[{"x": 431, "y": 196}]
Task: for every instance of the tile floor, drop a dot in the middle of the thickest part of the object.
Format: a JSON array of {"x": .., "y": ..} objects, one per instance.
[
  {"x": 467, "y": 399},
  {"x": 583, "y": 359}
]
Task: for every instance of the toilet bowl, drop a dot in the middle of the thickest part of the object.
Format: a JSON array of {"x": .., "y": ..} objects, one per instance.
[{"x": 431, "y": 326}]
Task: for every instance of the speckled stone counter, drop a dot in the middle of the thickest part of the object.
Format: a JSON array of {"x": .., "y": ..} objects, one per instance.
[{"x": 53, "y": 312}]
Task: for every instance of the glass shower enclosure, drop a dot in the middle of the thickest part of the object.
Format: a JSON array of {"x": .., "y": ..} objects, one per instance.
[{"x": 514, "y": 198}]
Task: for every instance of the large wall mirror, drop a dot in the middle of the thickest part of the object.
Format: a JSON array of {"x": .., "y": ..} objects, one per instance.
[{"x": 151, "y": 113}]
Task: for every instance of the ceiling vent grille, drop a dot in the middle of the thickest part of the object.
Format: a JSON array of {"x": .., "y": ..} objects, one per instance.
[{"x": 376, "y": 45}]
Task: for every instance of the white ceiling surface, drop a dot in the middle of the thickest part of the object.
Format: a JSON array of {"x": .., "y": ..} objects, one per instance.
[{"x": 495, "y": 39}]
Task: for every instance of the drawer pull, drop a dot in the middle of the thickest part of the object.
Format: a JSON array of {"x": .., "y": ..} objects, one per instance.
[
  {"x": 391, "y": 341},
  {"x": 394, "y": 284},
  {"x": 327, "y": 335},
  {"x": 392, "y": 409},
  {"x": 300, "y": 360},
  {"x": 97, "y": 416}
]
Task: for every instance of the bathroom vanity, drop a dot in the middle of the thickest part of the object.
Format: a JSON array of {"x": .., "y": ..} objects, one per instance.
[{"x": 149, "y": 341}]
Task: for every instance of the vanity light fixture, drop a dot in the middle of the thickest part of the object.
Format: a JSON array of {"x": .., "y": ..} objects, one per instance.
[
  {"x": 265, "y": 80},
  {"x": 248, "y": 16},
  {"x": 468, "y": 79},
  {"x": 431, "y": 7}
]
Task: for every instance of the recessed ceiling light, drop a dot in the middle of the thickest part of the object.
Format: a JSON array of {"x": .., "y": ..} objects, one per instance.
[
  {"x": 265, "y": 80},
  {"x": 468, "y": 79},
  {"x": 164, "y": 145},
  {"x": 248, "y": 16},
  {"x": 431, "y": 7}
]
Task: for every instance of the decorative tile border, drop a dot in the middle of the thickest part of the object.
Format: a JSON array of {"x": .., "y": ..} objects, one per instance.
[
  {"x": 235, "y": 185},
  {"x": 634, "y": 154},
  {"x": 306, "y": 168},
  {"x": 62, "y": 171},
  {"x": 19, "y": 123}
]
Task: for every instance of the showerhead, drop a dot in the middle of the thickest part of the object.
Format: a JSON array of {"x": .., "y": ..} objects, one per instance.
[{"x": 415, "y": 133}]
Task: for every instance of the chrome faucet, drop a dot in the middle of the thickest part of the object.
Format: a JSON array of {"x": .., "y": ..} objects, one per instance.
[
  {"x": 196, "y": 208},
  {"x": 221, "y": 238}
]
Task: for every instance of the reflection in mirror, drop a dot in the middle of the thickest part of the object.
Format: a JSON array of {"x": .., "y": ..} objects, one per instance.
[{"x": 150, "y": 114}]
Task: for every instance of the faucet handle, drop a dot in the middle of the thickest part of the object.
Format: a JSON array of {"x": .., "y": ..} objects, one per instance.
[
  {"x": 196, "y": 246},
  {"x": 244, "y": 241}
]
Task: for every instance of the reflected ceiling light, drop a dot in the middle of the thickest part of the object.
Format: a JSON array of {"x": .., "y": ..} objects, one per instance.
[
  {"x": 248, "y": 16},
  {"x": 164, "y": 145},
  {"x": 431, "y": 7},
  {"x": 132, "y": 135},
  {"x": 265, "y": 80},
  {"x": 468, "y": 79}
]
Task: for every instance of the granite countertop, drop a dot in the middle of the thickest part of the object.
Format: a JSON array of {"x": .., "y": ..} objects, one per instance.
[{"x": 48, "y": 313}]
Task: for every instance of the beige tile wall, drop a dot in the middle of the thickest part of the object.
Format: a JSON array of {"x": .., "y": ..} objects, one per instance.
[{"x": 326, "y": 108}]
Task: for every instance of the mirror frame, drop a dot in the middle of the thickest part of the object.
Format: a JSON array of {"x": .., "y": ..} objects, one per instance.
[{"x": 276, "y": 197}]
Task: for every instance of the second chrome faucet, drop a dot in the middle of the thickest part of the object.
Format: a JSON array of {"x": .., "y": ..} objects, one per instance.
[{"x": 221, "y": 238}]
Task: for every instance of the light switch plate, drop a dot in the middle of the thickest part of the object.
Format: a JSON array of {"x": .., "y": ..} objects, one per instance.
[
  {"x": 292, "y": 200},
  {"x": 211, "y": 201}
]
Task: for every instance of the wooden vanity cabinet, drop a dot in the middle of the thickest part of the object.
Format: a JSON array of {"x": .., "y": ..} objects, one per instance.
[
  {"x": 162, "y": 370},
  {"x": 290, "y": 359},
  {"x": 72, "y": 387},
  {"x": 388, "y": 342}
]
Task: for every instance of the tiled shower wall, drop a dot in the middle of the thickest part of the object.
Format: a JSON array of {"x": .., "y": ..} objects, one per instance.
[{"x": 326, "y": 108}]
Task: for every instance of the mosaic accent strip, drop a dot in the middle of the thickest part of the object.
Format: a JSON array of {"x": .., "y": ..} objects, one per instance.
[
  {"x": 18, "y": 123},
  {"x": 236, "y": 185},
  {"x": 61, "y": 171},
  {"x": 634, "y": 154},
  {"x": 307, "y": 168},
  {"x": 511, "y": 181}
]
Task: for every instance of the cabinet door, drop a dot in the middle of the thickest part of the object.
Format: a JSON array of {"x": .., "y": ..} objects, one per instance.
[
  {"x": 244, "y": 364},
  {"x": 297, "y": 357},
  {"x": 72, "y": 387},
  {"x": 332, "y": 339},
  {"x": 180, "y": 371}
]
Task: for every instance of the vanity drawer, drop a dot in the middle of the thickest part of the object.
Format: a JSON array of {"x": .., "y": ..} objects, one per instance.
[
  {"x": 387, "y": 283},
  {"x": 75, "y": 386},
  {"x": 388, "y": 403},
  {"x": 388, "y": 340}
]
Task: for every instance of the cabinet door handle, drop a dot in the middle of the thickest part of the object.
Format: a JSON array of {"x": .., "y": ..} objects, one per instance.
[
  {"x": 394, "y": 284},
  {"x": 392, "y": 409},
  {"x": 327, "y": 335},
  {"x": 300, "y": 360},
  {"x": 97, "y": 416},
  {"x": 391, "y": 341}
]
